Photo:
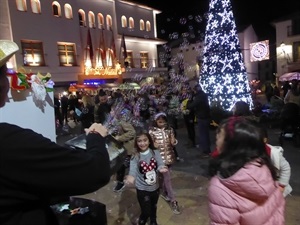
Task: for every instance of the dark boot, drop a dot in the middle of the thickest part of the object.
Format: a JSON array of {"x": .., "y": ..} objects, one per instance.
[{"x": 142, "y": 222}]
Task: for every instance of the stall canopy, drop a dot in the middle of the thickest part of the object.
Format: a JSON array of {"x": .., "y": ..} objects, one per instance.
[
  {"x": 112, "y": 86},
  {"x": 290, "y": 76},
  {"x": 129, "y": 86}
]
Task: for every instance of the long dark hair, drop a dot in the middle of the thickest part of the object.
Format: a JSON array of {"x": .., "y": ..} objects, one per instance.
[
  {"x": 243, "y": 143},
  {"x": 140, "y": 133}
]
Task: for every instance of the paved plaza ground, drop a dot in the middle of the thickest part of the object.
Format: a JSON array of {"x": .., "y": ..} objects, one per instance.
[{"x": 190, "y": 185}]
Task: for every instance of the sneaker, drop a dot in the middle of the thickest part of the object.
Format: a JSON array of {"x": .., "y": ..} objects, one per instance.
[
  {"x": 204, "y": 156},
  {"x": 165, "y": 197},
  {"x": 119, "y": 187},
  {"x": 175, "y": 207}
]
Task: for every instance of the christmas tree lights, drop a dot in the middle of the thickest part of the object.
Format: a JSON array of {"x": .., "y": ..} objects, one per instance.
[{"x": 223, "y": 74}]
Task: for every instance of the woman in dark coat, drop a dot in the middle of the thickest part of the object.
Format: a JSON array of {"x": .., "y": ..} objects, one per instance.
[{"x": 87, "y": 112}]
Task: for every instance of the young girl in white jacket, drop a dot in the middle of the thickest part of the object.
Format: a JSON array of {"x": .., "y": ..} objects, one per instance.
[{"x": 280, "y": 163}]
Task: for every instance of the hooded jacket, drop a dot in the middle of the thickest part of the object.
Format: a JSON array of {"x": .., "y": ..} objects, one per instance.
[
  {"x": 162, "y": 138},
  {"x": 126, "y": 135},
  {"x": 249, "y": 197}
]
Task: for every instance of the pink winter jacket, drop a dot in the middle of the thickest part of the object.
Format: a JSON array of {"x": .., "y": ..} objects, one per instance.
[{"x": 249, "y": 197}]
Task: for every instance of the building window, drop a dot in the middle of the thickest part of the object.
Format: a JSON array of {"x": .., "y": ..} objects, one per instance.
[
  {"x": 148, "y": 26},
  {"x": 36, "y": 6},
  {"x": 81, "y": 15},
  {"x": 109, "y": 58},
  {"x": 100, "y": 58},
  {"x": 144, "y": 59},
  {"x": 296, "y": 52},
  {"x": 131, "y": 23},
  {"x": 21, "y": 5},
  {"x": 142, "y": 25},
  {"x": 296, "y": 26},
  {"x": 100, "y": 21},
  {"x": 124, "y": 21},
  {"x": 109, "y": 22},
  {"x": 91, "y": 16},
  {"x": 67, "y": 54},
  {"x": 33, "y": 54},
  {"x": 56, "y": 10},
  {"x": 129, "y": 59},
  {"x": 68, "y": 11}
]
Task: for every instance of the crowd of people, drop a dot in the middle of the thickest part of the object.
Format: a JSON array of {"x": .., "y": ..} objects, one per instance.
[
  {"x": 156, "y": 117},
  {"x": 178, "y": 102},
  {"x": 285, "y": 110},
  {"x": 249, "y": 177},
  {"x": 156, "y": 111}
]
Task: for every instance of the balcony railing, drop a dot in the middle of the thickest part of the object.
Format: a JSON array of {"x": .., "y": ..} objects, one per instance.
[{"x": 139, "y": 63}]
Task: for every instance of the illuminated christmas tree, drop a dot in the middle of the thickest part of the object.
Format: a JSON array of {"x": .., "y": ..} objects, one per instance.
[{"x": 223, "y": 74}]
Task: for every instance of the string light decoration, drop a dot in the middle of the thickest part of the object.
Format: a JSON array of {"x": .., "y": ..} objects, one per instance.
[{"x": 223, "y": 74}]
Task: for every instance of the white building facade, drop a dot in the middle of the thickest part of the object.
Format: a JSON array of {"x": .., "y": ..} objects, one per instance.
[
  {"x": 81, "y": 40},
  {"x": 288, "y": 44},
  {"x": 191, "y": 55}
]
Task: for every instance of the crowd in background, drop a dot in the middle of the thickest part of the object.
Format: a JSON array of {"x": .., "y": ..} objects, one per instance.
[
  {"x": 172, "y": 99},
  {"x": 142, "y": 104}
]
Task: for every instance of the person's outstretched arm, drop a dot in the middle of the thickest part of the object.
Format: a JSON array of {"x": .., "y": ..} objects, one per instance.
[{"x": 34, "y": 164}]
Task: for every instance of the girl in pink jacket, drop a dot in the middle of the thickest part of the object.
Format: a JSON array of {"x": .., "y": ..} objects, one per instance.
[{"x": 244, "y": 188}]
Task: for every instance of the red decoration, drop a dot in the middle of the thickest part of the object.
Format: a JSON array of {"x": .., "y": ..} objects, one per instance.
[
  {"x": 148, "y": 167},
  {"x": 20, "y": 81}
]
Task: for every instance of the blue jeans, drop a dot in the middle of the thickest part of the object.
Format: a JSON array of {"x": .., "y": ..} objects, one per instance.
[{"x": 204, "y": 137}]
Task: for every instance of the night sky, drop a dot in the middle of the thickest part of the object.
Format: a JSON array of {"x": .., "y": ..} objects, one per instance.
[{"x": 259, "y": 13}]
